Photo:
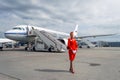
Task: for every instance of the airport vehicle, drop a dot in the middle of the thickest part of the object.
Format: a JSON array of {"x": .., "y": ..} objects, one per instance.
[
  {"x": 39, "y": 38},
  {"x": 5, "y": 42},
  {"x": 85, "y": 44}
]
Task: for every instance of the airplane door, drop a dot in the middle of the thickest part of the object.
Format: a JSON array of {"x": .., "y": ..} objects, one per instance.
[{"x": 30, "y": 30}]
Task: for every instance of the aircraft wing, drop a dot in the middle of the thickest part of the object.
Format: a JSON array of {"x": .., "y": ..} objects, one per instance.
[{"x": 94, "y": 36}]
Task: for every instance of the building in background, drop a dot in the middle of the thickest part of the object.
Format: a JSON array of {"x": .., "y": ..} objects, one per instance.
[{"x": 106, "y": 44}]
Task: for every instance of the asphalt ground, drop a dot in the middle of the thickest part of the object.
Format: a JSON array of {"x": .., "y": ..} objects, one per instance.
[{"x": 90, "y": 64}]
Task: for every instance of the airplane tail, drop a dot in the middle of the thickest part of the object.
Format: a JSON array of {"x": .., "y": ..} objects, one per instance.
[{"x": 75, "y": 31}]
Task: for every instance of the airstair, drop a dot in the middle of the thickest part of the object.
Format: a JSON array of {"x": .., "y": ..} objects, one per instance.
[{"x": 48, "y": 42}]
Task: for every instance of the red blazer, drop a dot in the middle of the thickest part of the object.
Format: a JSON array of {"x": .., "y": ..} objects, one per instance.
[{"x": 72, "y": 44}]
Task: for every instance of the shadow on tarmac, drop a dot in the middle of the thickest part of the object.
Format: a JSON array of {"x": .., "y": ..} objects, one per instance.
[{"x": 50, "y": 70}]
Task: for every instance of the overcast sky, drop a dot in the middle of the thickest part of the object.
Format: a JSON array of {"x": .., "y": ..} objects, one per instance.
[{"x": 92, "y": 16}]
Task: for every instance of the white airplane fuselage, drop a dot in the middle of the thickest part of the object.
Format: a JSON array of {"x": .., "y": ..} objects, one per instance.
[{"x": 20, "y": 33}]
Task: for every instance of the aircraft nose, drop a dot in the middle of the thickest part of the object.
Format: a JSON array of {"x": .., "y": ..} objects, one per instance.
[{"x": 8, "y": 34}]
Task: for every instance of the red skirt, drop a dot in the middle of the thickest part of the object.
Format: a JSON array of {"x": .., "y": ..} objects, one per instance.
[{"x": 71, "y": 55}]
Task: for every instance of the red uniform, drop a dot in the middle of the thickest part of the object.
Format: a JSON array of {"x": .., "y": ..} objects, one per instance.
[{"x": 72, "y": 46}]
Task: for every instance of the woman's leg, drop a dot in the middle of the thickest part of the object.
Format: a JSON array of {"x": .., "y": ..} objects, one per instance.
[{"x": 71, "y": 67}]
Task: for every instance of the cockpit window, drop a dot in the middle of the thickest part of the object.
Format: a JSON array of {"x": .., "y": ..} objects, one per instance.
[
  {"x": 18, "y": 28},
  {"x": 23, "y": 28}
]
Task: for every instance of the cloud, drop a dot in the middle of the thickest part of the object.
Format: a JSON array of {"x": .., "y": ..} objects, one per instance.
[{"x": 93, "y": 16}]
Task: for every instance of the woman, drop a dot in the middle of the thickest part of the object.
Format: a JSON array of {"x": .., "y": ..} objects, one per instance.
[{"x": 72, "y": 49}]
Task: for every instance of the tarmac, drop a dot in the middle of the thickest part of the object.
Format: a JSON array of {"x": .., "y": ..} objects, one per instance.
[{"x": 90, "y": 64}]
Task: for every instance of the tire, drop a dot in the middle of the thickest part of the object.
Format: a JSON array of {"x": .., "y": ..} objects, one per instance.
[
  {"x": 34, "y": 48},
  {"x": 26, "y": 49},
  {"x": 88, "y": 46},
  {"x": 50, "y": 50},
  {"x": 80, "y": 46}
]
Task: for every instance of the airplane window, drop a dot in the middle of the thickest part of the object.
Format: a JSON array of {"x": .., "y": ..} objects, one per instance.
[
  {"x": 17, "y": 28},
  {"x": 13, "y": 28},
  {"x": 23, "y": 28},
  {"x": 20, "y": 28}
]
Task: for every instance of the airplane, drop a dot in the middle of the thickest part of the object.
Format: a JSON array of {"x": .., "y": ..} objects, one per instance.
[{"x": 24, "y": 33}]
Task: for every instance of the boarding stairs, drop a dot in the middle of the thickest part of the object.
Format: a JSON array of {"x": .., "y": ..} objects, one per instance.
[{"x": 52, "y": 43}]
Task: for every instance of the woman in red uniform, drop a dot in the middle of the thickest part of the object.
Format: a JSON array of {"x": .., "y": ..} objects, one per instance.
[{"x": 72, "y": 49}]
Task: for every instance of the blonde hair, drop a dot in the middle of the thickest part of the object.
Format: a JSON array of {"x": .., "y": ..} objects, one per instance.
[{"x": 71, "y": 34}]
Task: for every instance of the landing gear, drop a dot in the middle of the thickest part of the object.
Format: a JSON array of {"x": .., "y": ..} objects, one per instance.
[{"x": 29, "y": 47}]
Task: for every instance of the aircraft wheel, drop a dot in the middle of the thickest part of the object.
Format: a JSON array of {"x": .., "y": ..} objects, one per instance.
[
  {"x": 26, "y": 48},
  {"x": 51, "y": 49},
  {"x": 88, "y": 46}
]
